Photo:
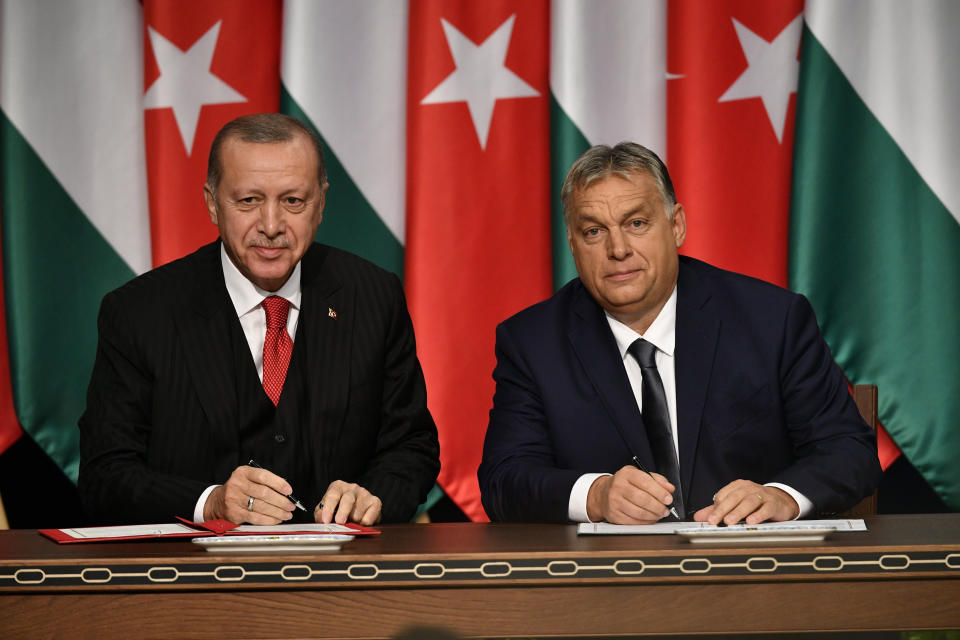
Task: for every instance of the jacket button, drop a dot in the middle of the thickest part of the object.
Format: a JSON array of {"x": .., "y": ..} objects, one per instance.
[{"x": 279, "y": 438}]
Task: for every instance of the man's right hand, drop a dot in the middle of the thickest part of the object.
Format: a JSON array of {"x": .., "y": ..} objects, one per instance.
[
  {"x": 630, "y": 496},
  {"x": 269, "y": 492}
]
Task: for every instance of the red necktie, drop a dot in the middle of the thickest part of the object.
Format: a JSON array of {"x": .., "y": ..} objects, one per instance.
[{"x": 277, "y": 346}]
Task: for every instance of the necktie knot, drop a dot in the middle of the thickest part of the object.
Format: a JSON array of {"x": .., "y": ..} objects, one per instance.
[
  {"x": 276, "y": 309},
  {"x": 644, "y": 352}
]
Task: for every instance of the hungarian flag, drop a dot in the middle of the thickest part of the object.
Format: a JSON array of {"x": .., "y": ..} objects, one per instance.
[{"x": 875, "y": 226}]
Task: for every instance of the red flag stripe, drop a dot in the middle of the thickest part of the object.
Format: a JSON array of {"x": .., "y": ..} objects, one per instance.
[{"x": 477, "y": 246}]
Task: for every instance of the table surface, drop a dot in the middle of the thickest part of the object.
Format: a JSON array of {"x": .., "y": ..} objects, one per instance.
[
  {"x": 488, "y": 580},
  {"x": 471, "y": 553}
]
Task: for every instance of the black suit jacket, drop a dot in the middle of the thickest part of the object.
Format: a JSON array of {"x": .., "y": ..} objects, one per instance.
[
  {"x": 163, "y": 414},
  {"x": 758, "y": 397}
]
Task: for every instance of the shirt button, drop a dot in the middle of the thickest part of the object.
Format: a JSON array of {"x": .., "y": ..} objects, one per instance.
[{"x": 279, "y": 438}]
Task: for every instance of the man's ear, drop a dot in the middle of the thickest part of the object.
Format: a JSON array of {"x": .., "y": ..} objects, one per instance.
[
  {"x": 211, "y": 204},
  {"x": 679, "y": 223}
]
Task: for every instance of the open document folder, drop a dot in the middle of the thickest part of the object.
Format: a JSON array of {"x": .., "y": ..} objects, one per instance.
[
  {"x": 187, "y": 529},
  {"x": 795, "y": 530}
]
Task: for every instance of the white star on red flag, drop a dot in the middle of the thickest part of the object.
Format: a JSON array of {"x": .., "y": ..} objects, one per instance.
[
  {"x": 186, "y": 83},
  {"x": 772, "y": 71},
  {"x": 480, "y": 78}
]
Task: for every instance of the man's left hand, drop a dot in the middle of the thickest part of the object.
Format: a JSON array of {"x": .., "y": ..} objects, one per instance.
[
  {"x": 345, "y": 501},
  {"x": 745, "y": 500}
]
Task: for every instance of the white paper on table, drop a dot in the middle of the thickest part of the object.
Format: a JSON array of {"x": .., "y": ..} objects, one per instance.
[
  {"x": 662, "y": 528},
  {"x": 129, "y": 531}
]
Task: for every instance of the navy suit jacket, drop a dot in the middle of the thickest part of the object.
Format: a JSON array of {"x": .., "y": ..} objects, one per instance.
[
  {"x": 163, "y": 418},
  {"x": 759, "y": 397}
]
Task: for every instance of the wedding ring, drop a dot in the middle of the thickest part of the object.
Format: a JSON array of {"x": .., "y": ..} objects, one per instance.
[
  {"x": 759, "y": 497},
  {"x": 250, "y": 503}
]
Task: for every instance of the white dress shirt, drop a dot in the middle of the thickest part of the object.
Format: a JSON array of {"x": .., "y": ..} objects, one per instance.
[
  {"x": 247, "y": 299},
  {"x": 662, "y": 334}
]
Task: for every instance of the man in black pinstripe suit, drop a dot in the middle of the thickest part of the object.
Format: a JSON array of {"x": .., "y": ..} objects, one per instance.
[{"x": 176, "y": 406}]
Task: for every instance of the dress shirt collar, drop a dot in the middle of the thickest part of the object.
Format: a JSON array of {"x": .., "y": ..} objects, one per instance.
[
  {"x": 661, "y": 333},
  {"x": 247, "y": 296}
]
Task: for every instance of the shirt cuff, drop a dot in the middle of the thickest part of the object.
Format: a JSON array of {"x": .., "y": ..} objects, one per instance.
[
  {"x": 198, "y": 509},
  {"x": 577, "y": 507},
  {"x": 802, "y": 501}
]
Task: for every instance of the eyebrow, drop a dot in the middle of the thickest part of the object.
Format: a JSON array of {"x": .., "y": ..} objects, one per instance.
[{"x": 641, "y": 208}]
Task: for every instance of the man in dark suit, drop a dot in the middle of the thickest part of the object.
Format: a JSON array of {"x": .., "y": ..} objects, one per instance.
[
  {"x": 261, "y": 346},
  {"x": 655, "y": 382}
]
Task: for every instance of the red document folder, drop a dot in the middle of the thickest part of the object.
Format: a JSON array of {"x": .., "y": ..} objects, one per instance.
[{"x": 190, "y": 529}]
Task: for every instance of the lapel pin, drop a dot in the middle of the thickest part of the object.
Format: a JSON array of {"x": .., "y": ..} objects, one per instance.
[{"x": 331, "y": 313}]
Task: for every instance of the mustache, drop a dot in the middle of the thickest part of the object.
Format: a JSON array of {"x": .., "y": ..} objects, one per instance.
[{"x": 280, "y": 242}]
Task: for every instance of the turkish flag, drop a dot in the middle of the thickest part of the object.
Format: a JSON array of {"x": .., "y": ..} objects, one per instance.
[
  {"x": 478, "y": 235},
  {"x": 731, "y": 103},
  {"x": 206, "y": 63}
]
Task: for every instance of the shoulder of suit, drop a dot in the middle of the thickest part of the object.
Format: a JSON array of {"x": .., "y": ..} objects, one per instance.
[
  {"x": 547, "y": 312},
  {"x": 730, "y": 286},
  {"x": 341, "y": 263},
  {"x": 169, "y": 282}
]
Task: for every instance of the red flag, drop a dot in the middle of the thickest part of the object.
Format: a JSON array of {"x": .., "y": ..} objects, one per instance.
[
  {"x": 205, "y": 64},
  {"x": 730, "y": 111},
  {"x": 477, "y": 246}
]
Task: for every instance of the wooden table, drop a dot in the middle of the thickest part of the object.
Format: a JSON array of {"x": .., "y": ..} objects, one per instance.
[{"x": 487, "y": 580}]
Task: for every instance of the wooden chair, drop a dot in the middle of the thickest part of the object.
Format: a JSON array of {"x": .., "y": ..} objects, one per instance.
[{"x": 865, "y": 395}]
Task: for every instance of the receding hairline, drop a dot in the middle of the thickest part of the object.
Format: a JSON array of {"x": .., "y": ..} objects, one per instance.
[
  {"x": 625, "y": 160},
  {"x": 262, "y": 128}
]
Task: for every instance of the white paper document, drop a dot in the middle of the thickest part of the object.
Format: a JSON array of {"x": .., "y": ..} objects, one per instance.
[{"x": 660, "y": 528}]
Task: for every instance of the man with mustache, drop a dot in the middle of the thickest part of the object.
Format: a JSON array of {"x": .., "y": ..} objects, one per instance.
[
  {"x": 264, "y": 346},
  {"x": 657, "y": 386}
]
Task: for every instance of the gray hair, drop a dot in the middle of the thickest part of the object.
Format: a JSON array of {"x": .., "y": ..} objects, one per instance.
[
  {"x": 262, "y": 128},
  {"x": 624, "y": 159}
]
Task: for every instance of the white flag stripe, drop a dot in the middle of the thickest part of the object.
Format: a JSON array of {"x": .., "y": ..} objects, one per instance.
[
  {"x": 608, "y": 66},
  {"x": 354, "y": 90},
  {"x": 73, "y": 86},
  {"x": 896, "y": 55}
]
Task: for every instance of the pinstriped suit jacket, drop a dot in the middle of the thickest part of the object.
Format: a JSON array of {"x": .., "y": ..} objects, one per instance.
[{"x": 161, "y": 421}]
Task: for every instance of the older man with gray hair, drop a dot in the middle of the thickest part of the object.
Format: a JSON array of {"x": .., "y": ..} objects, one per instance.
[{"x": 657, "y": 386}]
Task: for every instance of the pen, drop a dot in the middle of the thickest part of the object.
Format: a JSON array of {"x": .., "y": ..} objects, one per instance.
[
  {"x": 640, "y": 466},
  {"x": 291, "y": 498}
]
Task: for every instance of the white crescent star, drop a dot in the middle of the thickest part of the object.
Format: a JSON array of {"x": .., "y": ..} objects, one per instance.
[
  {"x": 185, "y": 83},
  {"x": 480, "y": 78}
]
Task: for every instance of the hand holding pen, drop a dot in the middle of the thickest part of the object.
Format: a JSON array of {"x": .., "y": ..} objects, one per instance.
[
  {"x": 288, "y": 496},
  {"x": 630, "y": 496},
  {"x": 640, "y": 466}
]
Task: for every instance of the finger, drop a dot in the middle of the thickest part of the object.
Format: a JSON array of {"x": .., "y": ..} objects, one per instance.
[
  {"x": 329, "y": 502},
  {"x": 347, "y": 500},
  {"x": 746, "y": 503},
  {"x": 653, "y": 483},
  {"x": 266, "y": 500},
  {"x": 370, "y": 512},
  {"x": 627, "y": 503},
  {"x": 363, "y": 501},
  {"x": 269, "y": 479}
]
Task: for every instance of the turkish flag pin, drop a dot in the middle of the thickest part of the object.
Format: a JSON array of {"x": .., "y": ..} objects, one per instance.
[{"x": 331, "y": 313}]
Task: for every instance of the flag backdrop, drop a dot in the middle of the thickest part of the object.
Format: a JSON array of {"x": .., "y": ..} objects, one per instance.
[{"x": 448, "y": 127}]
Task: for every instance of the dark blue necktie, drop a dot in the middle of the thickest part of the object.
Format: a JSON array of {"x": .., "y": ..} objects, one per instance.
[{"x": 656, "y": 418}]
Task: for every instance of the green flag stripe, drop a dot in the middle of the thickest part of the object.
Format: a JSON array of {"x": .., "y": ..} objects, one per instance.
[
  {"x": 349, "y": 221},
  {"x": 876, "y": 252},
  {"x": 57, "y": 267},
  {"x": 567, "y": 142}
]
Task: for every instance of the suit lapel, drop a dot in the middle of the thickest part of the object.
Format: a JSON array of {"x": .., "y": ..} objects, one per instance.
[
  {"x": 696, "y": 339},
  {"x": 203, "y": 323},
  {"x": 328, "y": 316},
  {"x": 599, "y": 356}
]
